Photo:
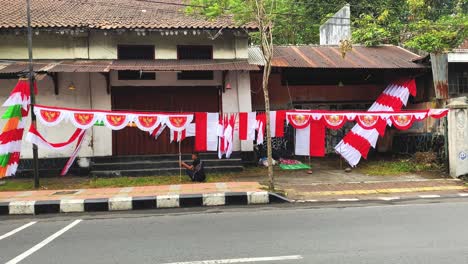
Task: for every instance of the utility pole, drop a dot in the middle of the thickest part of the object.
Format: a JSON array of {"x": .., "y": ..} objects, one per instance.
[{"x": 32, "y": 95}]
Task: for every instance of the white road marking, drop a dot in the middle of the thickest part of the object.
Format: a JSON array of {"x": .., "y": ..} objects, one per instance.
[
  {"x": 311, "y": 201},
  {"x": 348, "y": 200},
  {"x": 429, "y": 196},
  {"x": 43, "y": 243},
  {"x": 12, "y": 232},
  {"x": 463, "y": 194},
  {"x": 389, "y": 198},
  {"x": 241, "y": 260}
]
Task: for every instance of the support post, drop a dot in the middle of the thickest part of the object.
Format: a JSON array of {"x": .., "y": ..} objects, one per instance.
[{"x": 32, "y": 95}]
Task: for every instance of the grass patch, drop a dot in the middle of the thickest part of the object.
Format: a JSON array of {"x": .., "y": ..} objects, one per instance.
[
  {"x": 84, "y": 182},
  {"x": 397, "y": 167}
]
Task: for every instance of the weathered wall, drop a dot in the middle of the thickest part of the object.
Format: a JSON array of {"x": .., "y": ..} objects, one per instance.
[
  {"x": 102, "y": 45},
  {"x": 45, "y": 46},
  {"x": 238, "y": 99},
  {"x": 98, "y": 142},
  {"x": 281, "y": 96},
  {"x": 166, "y": 79},
  {"x": 458, "y": 137}
]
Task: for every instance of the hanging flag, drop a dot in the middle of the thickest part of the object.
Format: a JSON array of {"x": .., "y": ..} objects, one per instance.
[
  {"x": 277, "y": 119},
  {"x": 310, "y": 140},
  {"x": 226, "y": 135},
  {"x": 206, "y": 138},
  {"x": 260, "y": 126},
  {"x": 12, "y": 133},
  {"x": 359, "y": 140},
  {"x": 157, "y": 131},
  {"x": 247, "y": 125}
]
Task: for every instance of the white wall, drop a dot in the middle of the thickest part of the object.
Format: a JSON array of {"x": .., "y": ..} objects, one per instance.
[
  {"x": 166, "y": 79},
  {"x": 98, "y": 141},
  {"x": 45, "y": 46},
  {"x": 238, "y": 99},
  {"x": 103, "y": 45}
]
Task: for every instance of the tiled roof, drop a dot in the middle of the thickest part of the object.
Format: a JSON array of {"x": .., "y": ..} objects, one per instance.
[
  {"x": 381, "y": 57},
  {"x": 112, "y": 14}
]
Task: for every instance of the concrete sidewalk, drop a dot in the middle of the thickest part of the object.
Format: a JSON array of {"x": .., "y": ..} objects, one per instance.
[
  {"x": 132, "y": 198},
  {"x": 381, "y": 190}
]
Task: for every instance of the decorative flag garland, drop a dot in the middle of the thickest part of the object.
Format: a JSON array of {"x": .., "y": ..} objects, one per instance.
[
  {"x": 212, "y": 131},
  {"x": 12, "y": 133},
  {"x": 35, "y": 137},
  {"x": 357, "y": 142}
]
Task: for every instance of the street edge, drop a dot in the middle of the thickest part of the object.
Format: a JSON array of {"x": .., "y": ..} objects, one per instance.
[
  {"x": 382, "y": 199},
  {"x": 125, "y": 203}
]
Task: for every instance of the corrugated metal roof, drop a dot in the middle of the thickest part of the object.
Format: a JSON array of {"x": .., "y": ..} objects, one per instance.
[
  {"x": 81, "y": 66},
  {"x": 22, "y": 66},
  {"x": 183, "y": 65},
  {"x": 381, "y": 57},
  {"x": 148, "y": 65}
]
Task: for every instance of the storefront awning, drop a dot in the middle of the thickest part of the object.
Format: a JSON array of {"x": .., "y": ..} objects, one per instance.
[{"x": 137, "y": 65}]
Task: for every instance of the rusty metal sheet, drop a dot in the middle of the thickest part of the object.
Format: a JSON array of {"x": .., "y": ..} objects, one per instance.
[
  {"x": 22, "y": 66},
  {"x": 81, "y": 66},
  {"x": 439, "y": 64},
  {"x": 183, "y": 65},
  {"x": 381, "y": 57}
]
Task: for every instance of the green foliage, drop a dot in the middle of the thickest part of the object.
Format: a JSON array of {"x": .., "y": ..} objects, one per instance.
[
  {"x": 443, "y": 35},
  {"x": 429, "y": 25}
]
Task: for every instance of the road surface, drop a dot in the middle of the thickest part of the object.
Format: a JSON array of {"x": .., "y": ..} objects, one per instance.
[{"x": 405, "y": 233}]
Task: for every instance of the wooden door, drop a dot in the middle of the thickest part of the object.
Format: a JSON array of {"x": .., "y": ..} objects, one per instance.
[{"x": 133, "y": 141}]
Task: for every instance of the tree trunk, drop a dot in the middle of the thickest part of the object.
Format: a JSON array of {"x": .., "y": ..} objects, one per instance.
[
  {"x": 266, "y": 38},
  {"x": 266, "y": 76}
]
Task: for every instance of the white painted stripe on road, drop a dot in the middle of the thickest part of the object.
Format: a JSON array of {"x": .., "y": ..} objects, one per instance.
[
  {"x": 241, "y": 260},
  {"x": 463, "y": 194},
  {"x": 43, "y": 243},
  {"x": 429, "y": 196},
  {"x": 348, "y": 200},
  {"x": 389, "y": 198},
  {"x": 12, "y": 232}
]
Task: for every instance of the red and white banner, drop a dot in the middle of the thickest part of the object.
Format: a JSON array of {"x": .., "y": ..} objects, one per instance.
[
  {"x": 358, "y": 142},
  {"x": 35, "y": 137},
  {"x": 206, "y": 137},
  {"x": 299, "y": 120},
  {"x": 115, "y": 120}
]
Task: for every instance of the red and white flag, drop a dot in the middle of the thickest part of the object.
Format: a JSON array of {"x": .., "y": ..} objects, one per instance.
[
  {"x": 310, "y": 141},
  {"x": 277, "y": 119},
  {"x": 358, "y": 141},
  {"x": 178, "y": 136},
  {"x": 247, "y": 125},
  {"x": 225, "y": 133},
  {"x": 206, "y": 137}
]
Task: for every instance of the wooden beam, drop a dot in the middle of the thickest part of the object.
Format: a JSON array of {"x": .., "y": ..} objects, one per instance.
[
  {"x": 54, "y": 77},
  {"x": 107, "y": 77}
]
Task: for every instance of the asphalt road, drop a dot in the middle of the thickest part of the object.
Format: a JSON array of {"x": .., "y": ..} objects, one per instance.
[{"x": 410, "y": 233}]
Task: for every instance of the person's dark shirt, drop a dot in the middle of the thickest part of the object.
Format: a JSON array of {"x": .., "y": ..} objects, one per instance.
[{"x": 200, "y": 173}]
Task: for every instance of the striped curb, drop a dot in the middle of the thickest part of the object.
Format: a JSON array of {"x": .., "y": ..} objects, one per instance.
[
  {"x": 124, "y": 203},
  {"x": 383, "y": 199}
]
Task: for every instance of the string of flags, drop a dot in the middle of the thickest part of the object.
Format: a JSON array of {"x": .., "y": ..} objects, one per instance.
[{"x": 215, "y": 131}]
